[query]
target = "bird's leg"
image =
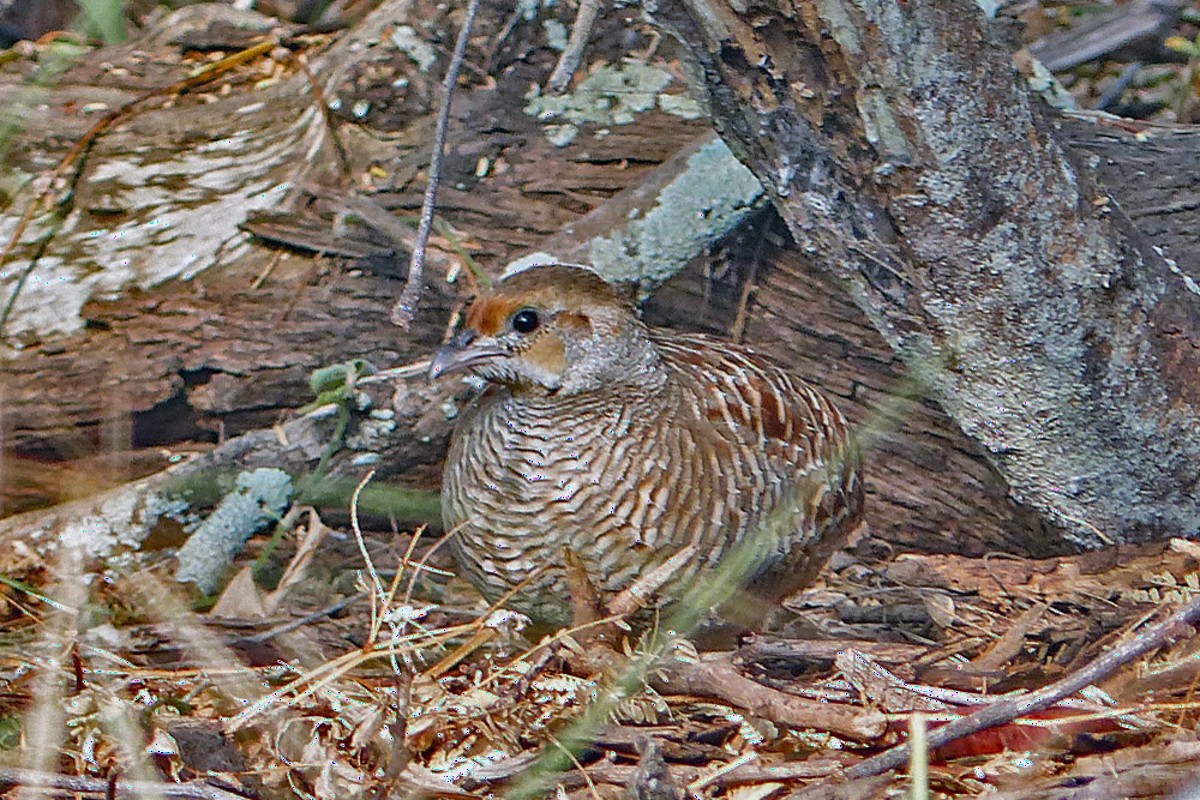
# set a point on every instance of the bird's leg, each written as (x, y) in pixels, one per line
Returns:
(585, 600)
(594, 651)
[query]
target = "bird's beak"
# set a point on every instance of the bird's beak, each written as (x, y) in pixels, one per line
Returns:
(460, 353)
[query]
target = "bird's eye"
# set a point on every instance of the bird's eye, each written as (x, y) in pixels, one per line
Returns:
(525, 321)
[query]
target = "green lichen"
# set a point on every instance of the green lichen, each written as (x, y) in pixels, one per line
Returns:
(556, 34)
(413, 45)
(612, 95)
(680, 105)
(711, 197)
(1043, 83)
(258, 500)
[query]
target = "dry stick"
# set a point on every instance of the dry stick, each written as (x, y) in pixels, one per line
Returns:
(370, 212)
(406, 306)
(294, 624)
(568, 62)
(198, 789)
(738, 329)
(1007, 710)
(719, 678)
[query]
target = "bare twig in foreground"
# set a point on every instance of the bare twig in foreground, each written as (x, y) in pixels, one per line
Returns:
(715, 675)
(406, 306)
(198, 789)
(1007, 710)
(568, 62)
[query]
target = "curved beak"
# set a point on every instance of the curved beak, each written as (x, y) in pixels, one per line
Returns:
(461, 353)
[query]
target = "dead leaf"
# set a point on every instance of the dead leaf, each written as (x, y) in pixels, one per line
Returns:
(241, 598)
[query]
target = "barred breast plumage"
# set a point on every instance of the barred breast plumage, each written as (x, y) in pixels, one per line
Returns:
(626, 444)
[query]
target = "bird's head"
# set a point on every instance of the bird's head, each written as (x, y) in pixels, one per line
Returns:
(552, 329)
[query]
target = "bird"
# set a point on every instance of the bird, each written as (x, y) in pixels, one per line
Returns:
(603, 442)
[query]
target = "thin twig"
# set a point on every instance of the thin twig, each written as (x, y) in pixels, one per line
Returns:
(322, 105)
(568, 62)
(697, 785)
(369, 211)
(266, 273)
(494, 47)
(1114, 92)
(406, 306)
(415, 369)
(738, 329)
(1005, 711)
(299, 622)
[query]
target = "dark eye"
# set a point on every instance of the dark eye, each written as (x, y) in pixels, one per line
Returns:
(525, 321)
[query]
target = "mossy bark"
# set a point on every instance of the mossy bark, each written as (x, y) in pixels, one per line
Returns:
(910, 163)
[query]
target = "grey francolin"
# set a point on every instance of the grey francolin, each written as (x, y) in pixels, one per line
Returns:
(625, 445)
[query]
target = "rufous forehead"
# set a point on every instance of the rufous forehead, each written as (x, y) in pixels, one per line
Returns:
(490, 315)
(561, 290)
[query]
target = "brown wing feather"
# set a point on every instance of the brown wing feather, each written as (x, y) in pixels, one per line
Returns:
(786, 445)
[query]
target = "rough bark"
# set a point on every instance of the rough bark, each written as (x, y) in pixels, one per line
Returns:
(910, 163)
(149, 304)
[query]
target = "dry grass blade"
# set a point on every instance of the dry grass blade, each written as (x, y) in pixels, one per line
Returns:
(323, 676)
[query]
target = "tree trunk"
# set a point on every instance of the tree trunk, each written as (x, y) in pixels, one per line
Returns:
(909, 162)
